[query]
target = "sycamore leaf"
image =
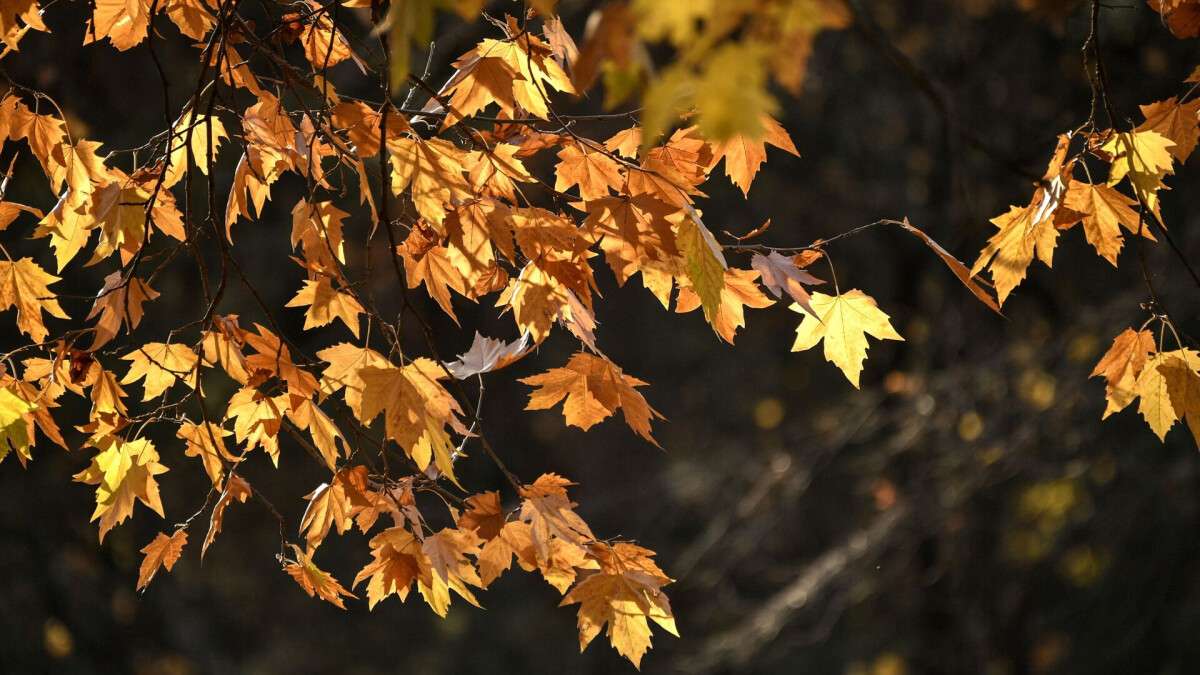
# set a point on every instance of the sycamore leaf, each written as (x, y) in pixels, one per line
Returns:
(704, 262)
(161, 365)
(205, 441)
(328, 507)
(1154, 396)
(624, 594)
(123, 472)
(236, 489)
(398, 562)
(592, 170)
(163, 553)
(551, 515)
(843, 322)
(781, 275)
(315, 581)
(16, 428)
(325, 303)
(417, 411)
(119, 303)
(123, 23)
(1105, 211)
(25, 285)
(1183, 388)
(1175, 121)
(594, 388)
(738, 291)
(1121, 365)
(960, 270)
(450, 569)
(1145, 158)
(488, 354)
(744, 154)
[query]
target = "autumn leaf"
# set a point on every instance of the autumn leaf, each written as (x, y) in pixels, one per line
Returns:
(624, 595)
(845, 321)
(744, 154)
(162, 553)
(1183, 389)
(206, 441)
(1145, 158)
(236, 489)
(325, 303)
(1175, 121)
(589, 168)
(487, 355)
(25, 285)
(1154, 393)
(705, 264)
(1105, 211)
(738, 291)
(160, 365)
(315, 581)
(960, 270)
(16, 428)
(1121, 365)
(123, 473)
(119, 303)
(593, 389)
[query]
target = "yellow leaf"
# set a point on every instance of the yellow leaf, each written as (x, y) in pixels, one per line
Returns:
(738, 291)
(16, 426)
(235, 489)
(325, 303)
(704, 262)
(1121, 365)
(843, 322)
(163, 553)
(594, 388)
(161, 365)
(315, 581)
(744, 154)
(123, 472)
(25, 285)
(1145, 158)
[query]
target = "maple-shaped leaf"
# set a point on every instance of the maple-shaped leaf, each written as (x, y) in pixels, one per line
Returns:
(257, 419)
(324, 45)
(346, 362)
(781, 275)
(123, 473)
(843, 322)
(1175, 121)
(162, 553)
(196, 138)
(315, 581)
(488, 354)
(1154, 391)
(10, 210)
(332, 505)
(236, 489)
(537, 300)
(16, 426)
(550, 514)
(193, 18)
(161, 365)
(206, 441)
(478, 81)
(1104, 212)
(594, 388)
(589, 168)
(25, 285)
(705, 263)
(434, 268)
(124, 23)
(325, 303)
(119, 303)
(960, 270)
(1026, 231)
(450, 568)
(398, 562)
(417, 411)
(483, 515)
(1121, 365)
(432, 171)
(325, 434)
(744, 155)
(1145, 158)
(625, 594)
(738, 291)
(1183, 388)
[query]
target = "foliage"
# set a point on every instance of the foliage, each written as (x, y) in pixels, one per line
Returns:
(515, 208)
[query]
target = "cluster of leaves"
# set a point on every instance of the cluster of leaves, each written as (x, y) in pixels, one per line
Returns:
(1139, 365)
(509, 209)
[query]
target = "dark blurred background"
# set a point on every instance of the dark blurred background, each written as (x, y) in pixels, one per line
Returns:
(965, 512)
